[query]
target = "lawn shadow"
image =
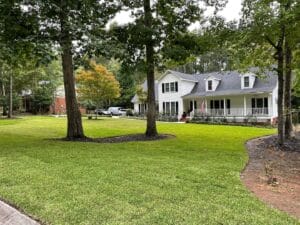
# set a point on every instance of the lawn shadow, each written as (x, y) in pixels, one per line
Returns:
(120, 139)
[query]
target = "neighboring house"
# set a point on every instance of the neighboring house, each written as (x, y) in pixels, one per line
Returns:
(229, 95)
(58, 106)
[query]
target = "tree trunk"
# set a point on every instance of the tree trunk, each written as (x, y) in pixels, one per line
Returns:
(74, 129)
(280, 62)
(10, 103)
(151, 113)
(4, 97)
(288, 92)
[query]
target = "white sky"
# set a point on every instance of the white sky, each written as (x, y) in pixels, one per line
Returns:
(231, 12)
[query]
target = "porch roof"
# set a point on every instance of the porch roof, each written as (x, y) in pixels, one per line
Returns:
(224, 93)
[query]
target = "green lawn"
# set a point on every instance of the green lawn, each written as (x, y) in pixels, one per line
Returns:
(192, 179)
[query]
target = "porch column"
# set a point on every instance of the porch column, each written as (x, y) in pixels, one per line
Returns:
(245, 106)
(224, 106)
(270, 105)
(194, 107)
(205, 105)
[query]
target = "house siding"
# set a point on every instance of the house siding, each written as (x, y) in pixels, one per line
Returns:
(184, 87)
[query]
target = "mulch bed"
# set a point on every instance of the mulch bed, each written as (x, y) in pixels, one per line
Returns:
(123, 138)
(273, 173)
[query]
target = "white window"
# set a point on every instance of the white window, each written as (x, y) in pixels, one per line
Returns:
(170, 108)
(167, 86)
(246, 82)
(172, 86)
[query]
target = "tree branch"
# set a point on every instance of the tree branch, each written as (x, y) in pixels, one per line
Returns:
(271, 42)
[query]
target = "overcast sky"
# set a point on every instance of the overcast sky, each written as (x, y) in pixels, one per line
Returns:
(231, 12)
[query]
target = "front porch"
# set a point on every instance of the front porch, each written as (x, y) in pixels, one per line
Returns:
(232, 112)
(239, 108)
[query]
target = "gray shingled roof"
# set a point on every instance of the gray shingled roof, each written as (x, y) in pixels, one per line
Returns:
(230, 84)
(145, 88)
(184, 76)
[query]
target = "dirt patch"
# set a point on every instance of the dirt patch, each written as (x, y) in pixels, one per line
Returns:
(123, 138)
(273, 173)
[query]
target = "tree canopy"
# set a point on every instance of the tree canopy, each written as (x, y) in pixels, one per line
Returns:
(97, 84)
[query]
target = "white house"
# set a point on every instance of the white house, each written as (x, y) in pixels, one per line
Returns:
(229, 95)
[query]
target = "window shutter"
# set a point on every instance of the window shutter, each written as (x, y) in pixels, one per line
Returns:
(266, 105)
(176, 86)
(163, 87)
(228, 104)
(211, 104)
(176, 107)
(253, 102)
(164, 107)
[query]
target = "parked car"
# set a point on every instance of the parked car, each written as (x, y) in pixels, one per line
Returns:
(127, 112)
(99, 111)
(113, 111)
(123, 112)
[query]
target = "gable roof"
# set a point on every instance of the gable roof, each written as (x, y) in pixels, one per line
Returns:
(145, 89)
(230, 84)
(181, 76)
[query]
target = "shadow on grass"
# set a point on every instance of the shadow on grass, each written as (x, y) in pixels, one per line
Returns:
(120, 139)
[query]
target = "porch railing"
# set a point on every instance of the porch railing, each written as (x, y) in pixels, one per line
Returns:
(232, 112)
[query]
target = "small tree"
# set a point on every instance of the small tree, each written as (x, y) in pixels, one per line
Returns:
(142, 95)
(97, 84)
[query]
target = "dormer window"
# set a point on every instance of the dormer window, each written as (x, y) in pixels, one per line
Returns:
(246, 82)
(209, 85)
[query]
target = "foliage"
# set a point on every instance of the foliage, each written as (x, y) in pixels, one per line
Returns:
(260, 28)
(42, 98)
(126, 77)
(4, 102)
(89, 104)
(127, 84)
(142, 95)
(97, 84)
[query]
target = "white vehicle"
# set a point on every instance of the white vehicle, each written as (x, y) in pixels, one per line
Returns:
(114, 111)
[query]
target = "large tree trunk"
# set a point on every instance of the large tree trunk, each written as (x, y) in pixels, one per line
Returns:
(280, 62)
(75, 129)
(10, 101)
(288, 92)
(151, 113)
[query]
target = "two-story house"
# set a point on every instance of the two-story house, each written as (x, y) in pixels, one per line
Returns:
(218, 94)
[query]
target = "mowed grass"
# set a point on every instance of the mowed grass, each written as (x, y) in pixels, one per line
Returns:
(191, 179)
